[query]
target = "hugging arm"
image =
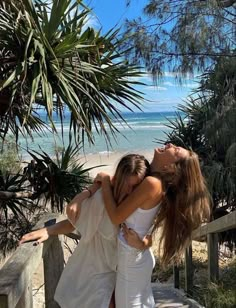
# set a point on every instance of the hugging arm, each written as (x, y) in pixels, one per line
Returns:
(133, 239)
(149, 191)
(73, 208)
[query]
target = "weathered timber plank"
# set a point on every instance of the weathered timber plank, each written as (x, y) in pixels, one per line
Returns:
(26, 300)
(53, 267)
(224, 223)
(16, 274)
(166, 296)
(213, 258)
(188, 270)
(176, 276)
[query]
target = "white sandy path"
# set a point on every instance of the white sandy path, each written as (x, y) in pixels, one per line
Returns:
(108, 160)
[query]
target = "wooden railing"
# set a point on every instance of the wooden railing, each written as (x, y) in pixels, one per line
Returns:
(209, 231)
(16, 274)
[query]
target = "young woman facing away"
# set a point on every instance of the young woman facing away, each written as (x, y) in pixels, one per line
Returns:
(173, 196)
(88, 279)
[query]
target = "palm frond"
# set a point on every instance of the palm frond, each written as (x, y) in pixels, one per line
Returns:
(50, 59)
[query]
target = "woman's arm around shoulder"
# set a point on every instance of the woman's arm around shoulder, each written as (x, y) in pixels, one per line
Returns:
(148, 193)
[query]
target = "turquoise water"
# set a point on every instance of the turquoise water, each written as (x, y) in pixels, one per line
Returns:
(144, 129)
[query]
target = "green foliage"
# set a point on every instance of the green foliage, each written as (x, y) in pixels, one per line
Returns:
(15, 212)
(50, 60)
(221, 294)
(14, 206)
(218, 297)
(208, 126)
(57, 180)
(9, 157)
(26, 193)
(182, 36)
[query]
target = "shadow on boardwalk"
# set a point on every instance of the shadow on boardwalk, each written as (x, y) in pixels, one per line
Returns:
(166, 296)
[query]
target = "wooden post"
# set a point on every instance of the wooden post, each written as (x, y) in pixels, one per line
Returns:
(213, 258)
(176, 276)
(53, 266)
(16, 273)
(188, 270)
(26, 300)
(3, 301)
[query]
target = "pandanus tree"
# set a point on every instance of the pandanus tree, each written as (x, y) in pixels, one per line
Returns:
(51, 60)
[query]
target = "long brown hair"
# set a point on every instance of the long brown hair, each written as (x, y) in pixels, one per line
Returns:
(131, 164)
(185, 205)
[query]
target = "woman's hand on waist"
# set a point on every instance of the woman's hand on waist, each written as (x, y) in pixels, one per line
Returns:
(132, 238)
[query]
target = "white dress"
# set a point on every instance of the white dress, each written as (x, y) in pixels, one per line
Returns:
(88, 279)
(133, 282)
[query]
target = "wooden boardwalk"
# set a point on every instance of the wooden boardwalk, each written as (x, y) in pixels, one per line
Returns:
(168, 297)
(16, 275)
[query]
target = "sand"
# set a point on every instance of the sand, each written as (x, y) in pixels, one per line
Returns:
(107, 162)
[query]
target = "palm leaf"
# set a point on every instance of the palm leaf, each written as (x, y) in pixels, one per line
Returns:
(60, 65)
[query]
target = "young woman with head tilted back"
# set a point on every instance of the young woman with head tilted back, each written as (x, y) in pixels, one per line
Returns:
(175, 197)
(88, 279)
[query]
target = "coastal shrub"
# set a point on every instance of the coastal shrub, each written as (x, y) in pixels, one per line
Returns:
(218, 295)
(57, 179)
(10, 160)
(45, 183)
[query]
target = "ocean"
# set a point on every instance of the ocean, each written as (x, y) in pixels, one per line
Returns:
(144, 130)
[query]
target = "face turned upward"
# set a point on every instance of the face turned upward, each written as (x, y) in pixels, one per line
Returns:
(168, 155)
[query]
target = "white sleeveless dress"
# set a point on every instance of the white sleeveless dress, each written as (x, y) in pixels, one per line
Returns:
(133, 281)
(88, 279)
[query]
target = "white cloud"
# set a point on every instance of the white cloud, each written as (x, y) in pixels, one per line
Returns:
(155, 88)
(190, 85)
(145, 78)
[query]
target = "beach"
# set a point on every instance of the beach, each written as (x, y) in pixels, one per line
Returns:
(108, 161)
(139, 133)
(140, 136)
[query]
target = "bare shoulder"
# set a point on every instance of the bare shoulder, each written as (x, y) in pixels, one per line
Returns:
(153, 181)
(152, 185)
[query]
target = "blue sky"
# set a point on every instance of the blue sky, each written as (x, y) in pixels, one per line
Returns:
(167, 94)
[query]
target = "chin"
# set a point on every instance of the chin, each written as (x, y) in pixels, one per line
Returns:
(156, 154)
(157, 151)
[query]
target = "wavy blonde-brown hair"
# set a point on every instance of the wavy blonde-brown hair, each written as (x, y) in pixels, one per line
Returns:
(129, 165)
(185, 205)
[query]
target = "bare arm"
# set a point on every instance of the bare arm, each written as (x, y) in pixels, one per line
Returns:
(73, 208)
(133, 239)
(147, 195)
(41, 235)
(65, 226)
